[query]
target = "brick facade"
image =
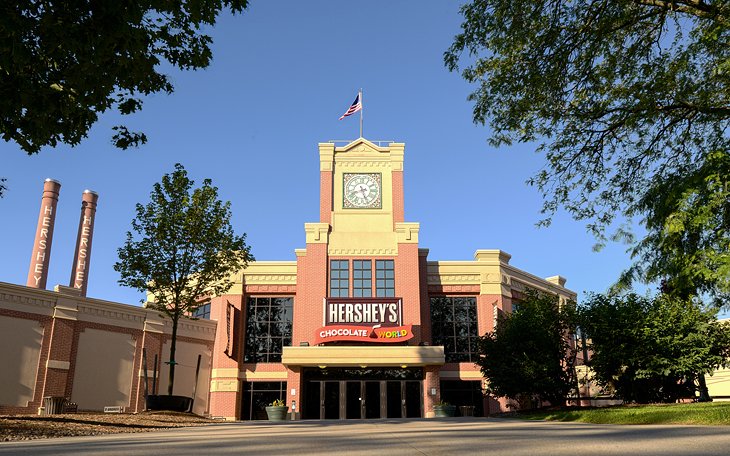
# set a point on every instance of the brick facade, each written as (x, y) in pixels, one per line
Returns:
(370, 232)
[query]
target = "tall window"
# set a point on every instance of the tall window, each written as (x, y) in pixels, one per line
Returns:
(362, 278)
(384, 278)
(454, 325)
(268, 328)
(339, 278)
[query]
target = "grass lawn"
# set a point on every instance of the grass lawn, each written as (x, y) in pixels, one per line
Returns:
(712, 413)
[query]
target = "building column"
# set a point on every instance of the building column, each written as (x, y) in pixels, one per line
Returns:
(151, 342)
(225, 386)
(60, 351)
(431, 383)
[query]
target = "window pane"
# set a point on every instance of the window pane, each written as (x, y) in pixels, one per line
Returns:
(454, 325)
(268, 328)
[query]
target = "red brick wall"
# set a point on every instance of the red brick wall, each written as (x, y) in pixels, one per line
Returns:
(408, 287)
(325, 196)
(398, 205)
(312, 273)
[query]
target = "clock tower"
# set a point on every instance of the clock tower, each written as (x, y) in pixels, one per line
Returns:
(361, 218)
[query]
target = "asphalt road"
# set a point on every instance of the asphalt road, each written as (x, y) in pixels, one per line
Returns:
(470, 436)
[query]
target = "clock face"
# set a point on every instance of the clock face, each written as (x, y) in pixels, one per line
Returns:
(361, 191)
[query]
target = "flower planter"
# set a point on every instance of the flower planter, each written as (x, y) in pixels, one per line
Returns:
(277, 412)
(442, 411)
(167, 402)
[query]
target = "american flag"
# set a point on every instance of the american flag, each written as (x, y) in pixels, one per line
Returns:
(356, 106)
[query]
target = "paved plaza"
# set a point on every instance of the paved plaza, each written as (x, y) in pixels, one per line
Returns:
(395, 437)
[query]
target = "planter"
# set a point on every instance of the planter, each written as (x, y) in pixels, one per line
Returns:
(277, 412)
(167, 402)
(441, 411)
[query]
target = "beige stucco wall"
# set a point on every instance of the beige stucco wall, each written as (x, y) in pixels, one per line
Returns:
(718, 384)
(104, 366)
(20, 340)
(186, 355)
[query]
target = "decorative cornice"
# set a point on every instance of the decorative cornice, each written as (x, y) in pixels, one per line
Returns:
(257, 279)
(407, 232)
(317, 233)
(65, 313)
(384, 252)
(453, 279)
(24, 299)
(370, 163)
(126, 317)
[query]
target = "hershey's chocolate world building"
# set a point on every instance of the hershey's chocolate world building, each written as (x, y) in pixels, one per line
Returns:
(363, 325)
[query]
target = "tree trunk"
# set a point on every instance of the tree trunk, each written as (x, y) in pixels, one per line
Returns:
(173, 343)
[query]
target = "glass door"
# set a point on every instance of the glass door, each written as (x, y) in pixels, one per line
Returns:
(330, 401)
(353, 400)
(373, 400)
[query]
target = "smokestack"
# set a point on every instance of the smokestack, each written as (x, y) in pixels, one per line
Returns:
(82, 255)
(38, 272)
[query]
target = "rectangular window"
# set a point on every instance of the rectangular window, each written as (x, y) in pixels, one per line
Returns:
(454, 325)
(362, 278)
(384, 278)
(268, 328)
(202, 312)
(339, 278)
(257, 396)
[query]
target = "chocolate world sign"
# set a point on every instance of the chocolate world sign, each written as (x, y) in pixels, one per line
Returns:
(363, 320)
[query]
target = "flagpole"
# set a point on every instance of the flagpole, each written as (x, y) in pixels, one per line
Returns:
(362, 107)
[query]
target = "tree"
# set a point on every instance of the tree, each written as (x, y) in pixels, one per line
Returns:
(652, 349)
(625, 95)
(183, 250)
(688, 241)
(62, 62)
(529, 354)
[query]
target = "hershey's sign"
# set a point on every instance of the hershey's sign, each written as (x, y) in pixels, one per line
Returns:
(363, 311)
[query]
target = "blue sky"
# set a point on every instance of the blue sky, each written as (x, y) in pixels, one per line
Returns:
(282, 74)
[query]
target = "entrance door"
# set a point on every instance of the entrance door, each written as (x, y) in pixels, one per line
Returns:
(362, 394)
(412, 399)
(331, 401)
(394, 399)
(353, 400)
(373, 400)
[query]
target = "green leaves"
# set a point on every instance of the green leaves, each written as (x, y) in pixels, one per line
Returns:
(529, 353)
(652, 350)
(628, 98)
(62, 62)
(183, 247)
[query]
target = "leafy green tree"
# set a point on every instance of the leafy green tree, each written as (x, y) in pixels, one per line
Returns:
(688, 241)
(530, 354)
(652, 349)
(183, 249)
(62, 62)
(630, 100)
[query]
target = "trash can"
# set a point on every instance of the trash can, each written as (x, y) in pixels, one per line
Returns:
(53, 405)
(466, 410)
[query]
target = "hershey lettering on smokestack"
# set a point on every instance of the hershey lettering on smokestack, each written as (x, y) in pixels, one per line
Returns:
(82, 255)
(38, 272)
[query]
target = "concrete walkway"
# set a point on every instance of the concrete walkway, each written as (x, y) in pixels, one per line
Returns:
(469, 436)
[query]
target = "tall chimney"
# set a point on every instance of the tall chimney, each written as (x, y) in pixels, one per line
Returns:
(38, 272)
(82, 255)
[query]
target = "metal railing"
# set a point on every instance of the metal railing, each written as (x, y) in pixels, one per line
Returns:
(379, 143)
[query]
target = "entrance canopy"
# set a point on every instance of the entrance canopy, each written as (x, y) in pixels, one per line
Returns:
(361, 356)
